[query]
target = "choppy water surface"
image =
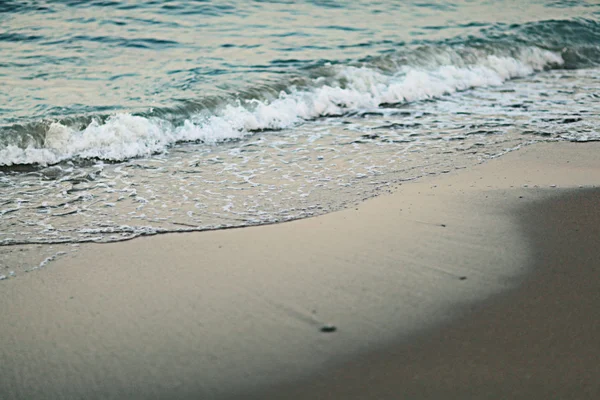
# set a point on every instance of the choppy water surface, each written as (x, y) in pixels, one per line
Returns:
(124, 118)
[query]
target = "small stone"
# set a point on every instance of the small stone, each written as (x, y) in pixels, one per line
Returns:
(328, 328)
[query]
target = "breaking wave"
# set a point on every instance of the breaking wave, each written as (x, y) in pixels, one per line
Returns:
(340, 90)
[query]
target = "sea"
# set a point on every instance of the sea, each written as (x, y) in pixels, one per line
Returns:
(128, 118)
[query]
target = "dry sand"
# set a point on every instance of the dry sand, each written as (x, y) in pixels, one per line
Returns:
(465, 285)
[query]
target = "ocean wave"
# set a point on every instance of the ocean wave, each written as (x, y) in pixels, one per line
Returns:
(343, 90)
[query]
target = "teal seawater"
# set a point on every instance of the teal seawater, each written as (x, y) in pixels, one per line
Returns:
(71, 61)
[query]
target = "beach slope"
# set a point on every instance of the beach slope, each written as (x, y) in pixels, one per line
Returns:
(479, 283)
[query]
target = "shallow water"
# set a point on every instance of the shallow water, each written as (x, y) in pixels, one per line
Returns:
(120, 119)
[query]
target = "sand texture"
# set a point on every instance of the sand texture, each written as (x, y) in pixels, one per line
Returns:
(480, 283)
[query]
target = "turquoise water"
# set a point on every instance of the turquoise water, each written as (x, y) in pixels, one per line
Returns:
(128, 118)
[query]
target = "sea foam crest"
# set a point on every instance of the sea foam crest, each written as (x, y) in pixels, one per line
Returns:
(125, 136)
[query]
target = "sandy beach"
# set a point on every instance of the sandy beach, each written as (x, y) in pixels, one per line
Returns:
(478, 283)
(539, 341)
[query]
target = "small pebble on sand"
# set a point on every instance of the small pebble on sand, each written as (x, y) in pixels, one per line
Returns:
(328, 328)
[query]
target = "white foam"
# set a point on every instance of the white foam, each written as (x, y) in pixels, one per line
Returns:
(125, 136)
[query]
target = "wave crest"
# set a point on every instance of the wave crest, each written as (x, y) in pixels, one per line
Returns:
(347, 89)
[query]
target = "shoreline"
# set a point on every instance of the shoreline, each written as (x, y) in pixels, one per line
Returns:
(213, 314)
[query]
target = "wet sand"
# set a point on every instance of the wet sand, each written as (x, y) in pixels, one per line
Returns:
(480, 283)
